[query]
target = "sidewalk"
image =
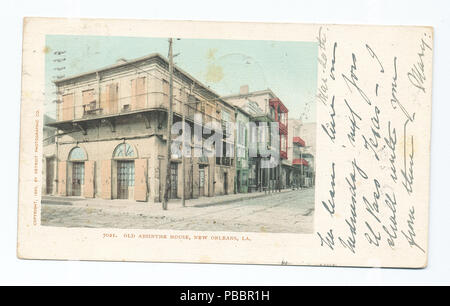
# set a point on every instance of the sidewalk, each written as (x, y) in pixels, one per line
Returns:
(173, 203)
(225, 199)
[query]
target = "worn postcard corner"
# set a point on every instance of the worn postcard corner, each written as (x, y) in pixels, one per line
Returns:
(222, 142)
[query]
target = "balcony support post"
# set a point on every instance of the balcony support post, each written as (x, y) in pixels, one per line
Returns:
(111, 122)
(81, 126)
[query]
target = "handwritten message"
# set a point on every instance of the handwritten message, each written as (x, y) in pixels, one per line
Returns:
(370, 95)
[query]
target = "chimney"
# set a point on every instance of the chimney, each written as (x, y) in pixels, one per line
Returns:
(243, 90)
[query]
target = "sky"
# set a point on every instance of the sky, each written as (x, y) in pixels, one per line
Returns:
(289, 69)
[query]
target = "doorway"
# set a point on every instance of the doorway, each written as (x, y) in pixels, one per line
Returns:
(77, 178)
(125, 178)
(238, 181)
(201, 185)
(225, 183)
(173, 180)
(49, 175)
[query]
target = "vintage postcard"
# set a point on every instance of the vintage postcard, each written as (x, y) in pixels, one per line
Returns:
(216, 142)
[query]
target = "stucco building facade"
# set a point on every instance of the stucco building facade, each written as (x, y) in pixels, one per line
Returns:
(266, 107)
(242, 153)
(302, 151)
(112, 133)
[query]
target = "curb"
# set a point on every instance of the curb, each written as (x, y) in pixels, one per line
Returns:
(207, 204)
(56, 202)
(237, 199)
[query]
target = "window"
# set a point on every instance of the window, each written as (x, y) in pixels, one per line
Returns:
(184, 96)
(209, 109)
(88, 96)
(77, 154)
(165, 88)
(89, 102)
(253, 134)
(283, 142)
(241, 133)
(241, 152)
(244, 177)
(173, 180)
(282, 118)
(124, 150)
(138, 93)
(252, 174)
(179, 146)
(203, 159)
(263, 131)
(272, 113)
(225, 116)
(201, 172)
(227, 154)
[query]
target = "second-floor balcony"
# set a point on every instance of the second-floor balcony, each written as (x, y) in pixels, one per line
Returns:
(283, 128)
(298, 141)
(138, 86)
(225, 161)
(69, 114)
(280, 112)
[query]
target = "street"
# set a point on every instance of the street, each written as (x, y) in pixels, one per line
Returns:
(286, 212)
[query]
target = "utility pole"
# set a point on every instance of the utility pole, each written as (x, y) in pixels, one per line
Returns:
(301, 155)
(236, 134)
(183, 161)
(169, 128)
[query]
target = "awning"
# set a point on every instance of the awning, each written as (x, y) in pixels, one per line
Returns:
(300, 161)
(297, 140)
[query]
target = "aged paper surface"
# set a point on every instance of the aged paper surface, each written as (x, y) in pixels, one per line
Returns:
(342, 180)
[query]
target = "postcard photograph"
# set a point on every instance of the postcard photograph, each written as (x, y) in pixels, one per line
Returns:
(179, 134)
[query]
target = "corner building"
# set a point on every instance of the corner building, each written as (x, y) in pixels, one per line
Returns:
(112, 132)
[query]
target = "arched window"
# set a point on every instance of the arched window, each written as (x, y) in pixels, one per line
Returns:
(124, 150)
(77, 154)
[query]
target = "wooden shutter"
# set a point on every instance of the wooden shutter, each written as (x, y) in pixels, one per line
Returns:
(62, 178)
(104, 103)
(206, 181)
(140, 181)
(113, 95)
(138, 93)
(89, 171)
(67, 107)
(109, 99)
(141, 93)
(105, 169)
